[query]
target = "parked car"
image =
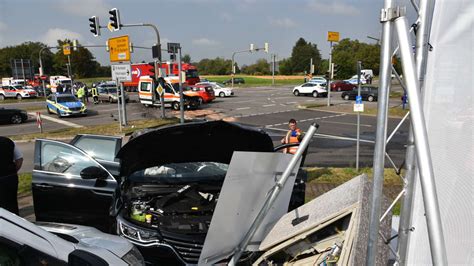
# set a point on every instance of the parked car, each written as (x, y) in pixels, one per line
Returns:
(24, 243)
(16, 91)
(320, 80)
(166, 198)
(219, 89)
(368, 93)
(310, 88)
(65, 105)
(354, 80)
(109, 94)
(205, 92)
(14, 116)
(236, 81)
(341, 85)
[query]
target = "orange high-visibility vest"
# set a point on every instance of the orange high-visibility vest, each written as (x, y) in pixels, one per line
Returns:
(291, 139)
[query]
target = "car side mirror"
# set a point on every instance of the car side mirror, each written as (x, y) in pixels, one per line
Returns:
(94, 172)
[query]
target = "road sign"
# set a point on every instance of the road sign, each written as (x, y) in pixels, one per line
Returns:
(160, 89)
(358, 107)
(333, 36)
(173, 47)
(66, 49)
(121, 72)
(358, 99)
(119, 49)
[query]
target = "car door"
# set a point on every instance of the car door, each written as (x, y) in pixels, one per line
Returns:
(102, 148)
(60, 194)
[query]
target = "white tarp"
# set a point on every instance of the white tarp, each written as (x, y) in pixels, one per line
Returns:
(249, 178)
(448, 110)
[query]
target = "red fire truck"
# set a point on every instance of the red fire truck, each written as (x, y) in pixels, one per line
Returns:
(139, 70)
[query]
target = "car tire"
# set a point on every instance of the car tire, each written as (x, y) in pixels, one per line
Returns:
(370, 98)
(2, 97)
(16, 119)
(296, 93)
(176, 106)
(222, 95)
(346, 97)
(111, 100)
(315, 94)
(18, 97)
(49, 111)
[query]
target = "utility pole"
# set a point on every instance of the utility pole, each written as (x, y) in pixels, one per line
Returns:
(273, 69)
(252, 48)
(329, 81)
(359, 67)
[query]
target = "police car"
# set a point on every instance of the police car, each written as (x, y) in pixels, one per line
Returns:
(65, 105)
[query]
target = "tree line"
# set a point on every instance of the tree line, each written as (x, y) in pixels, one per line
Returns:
(345, 55)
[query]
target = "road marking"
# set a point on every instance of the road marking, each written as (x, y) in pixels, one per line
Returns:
(309, 100)
(270, 113)
(352, 124)
(326, 136)
(242, 108)
(268, 105)
(247, 101)
(305, 120)
(291, 102)
(59, 121)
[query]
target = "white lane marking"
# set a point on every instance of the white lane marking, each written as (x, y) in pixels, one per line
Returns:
(59, 121)
(242, 108)
(326, 136)
(246, 101)
(268, 105)
(250, 115)
(351, 124)
(291, 102)
(305, 120)
(282, 104)
(309, 100)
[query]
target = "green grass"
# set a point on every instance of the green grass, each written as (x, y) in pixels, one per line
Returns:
(24, 184)
(251, 81)
(10, 101)
(107, 129)
(89, 81)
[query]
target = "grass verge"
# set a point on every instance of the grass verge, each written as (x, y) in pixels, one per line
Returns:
(254, 81)
(107, 129)
(10, 101)
(24, 184)
(89, 81)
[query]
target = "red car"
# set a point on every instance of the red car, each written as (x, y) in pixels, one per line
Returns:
(340, 85)
(206, 93)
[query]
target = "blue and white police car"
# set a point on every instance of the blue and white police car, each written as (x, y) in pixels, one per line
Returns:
(65, 105)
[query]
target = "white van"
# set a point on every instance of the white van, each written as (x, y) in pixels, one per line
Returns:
(366, 72)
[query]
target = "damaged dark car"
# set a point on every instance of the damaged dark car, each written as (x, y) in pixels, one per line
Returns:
(162, 186)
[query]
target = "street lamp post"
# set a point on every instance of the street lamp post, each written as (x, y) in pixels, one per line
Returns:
(244, 51)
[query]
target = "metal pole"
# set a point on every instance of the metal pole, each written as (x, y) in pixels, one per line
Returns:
(124, 109)
(273, 69)
(422, 37)
(329, 81)
(273, 195)
(41, 69)
(162, 101)
(181, 99)
(233, 70)
(119, 110)
(423, 156)
(23, 71)
(359, 67)
(381, 135)
(311, 67)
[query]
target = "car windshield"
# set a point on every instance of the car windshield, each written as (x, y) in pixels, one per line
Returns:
(192, 73)
(220, 85)
(67, 99)
(112, 90)
(181, 172)
(18, 87)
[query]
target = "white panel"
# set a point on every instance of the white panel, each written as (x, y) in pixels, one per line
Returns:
(448, 110)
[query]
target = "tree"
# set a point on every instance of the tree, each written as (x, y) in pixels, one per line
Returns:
(284, 66)
(83, 63)
(261, 67)
(29, 51)
(347, 52)
(186, 58)
(302, 53)
(217, 66)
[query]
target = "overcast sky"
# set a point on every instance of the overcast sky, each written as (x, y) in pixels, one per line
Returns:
(205, 28)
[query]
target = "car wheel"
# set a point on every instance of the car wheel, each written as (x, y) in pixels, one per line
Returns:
(176, 106)
(49, 111)
(2, 97)
(222, 94)
(370, 98)
(16, 119)
(296, 93)
(346, 97)
(315, 94)
(18, 97)
(111, 100)
(339, 89)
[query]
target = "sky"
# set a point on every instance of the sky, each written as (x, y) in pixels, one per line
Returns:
(204, 28)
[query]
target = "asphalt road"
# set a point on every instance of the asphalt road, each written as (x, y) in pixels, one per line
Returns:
(265, 107)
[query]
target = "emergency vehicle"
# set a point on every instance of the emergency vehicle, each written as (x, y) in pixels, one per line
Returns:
(65, 105)
(54, 81)
(16, 91)
(13, 82)
(148, 95)
(170, 70)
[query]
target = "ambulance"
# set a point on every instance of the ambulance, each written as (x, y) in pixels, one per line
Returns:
(148, 93)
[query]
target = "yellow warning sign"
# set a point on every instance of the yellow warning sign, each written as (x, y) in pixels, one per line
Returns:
(333, 36)
(160, 89)
(66, 49)
(119, 49)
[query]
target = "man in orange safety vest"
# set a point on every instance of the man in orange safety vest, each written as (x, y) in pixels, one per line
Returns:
(292, 136)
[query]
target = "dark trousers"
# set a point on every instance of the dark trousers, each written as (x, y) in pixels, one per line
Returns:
(8, 193)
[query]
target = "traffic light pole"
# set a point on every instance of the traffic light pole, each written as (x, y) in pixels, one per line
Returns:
(181, 97)
(329, 80)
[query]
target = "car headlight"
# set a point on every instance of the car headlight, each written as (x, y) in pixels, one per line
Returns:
(134, 257)
(136, 233)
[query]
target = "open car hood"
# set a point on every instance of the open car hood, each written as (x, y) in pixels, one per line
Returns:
(213, 141)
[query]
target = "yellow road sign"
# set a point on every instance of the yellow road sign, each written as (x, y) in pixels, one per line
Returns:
(333, 36)
(119, 49)
(66, 49)
(160, 89)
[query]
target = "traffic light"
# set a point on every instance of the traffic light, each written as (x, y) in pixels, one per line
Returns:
(266, 47)
(95, 28)
(114, 19)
